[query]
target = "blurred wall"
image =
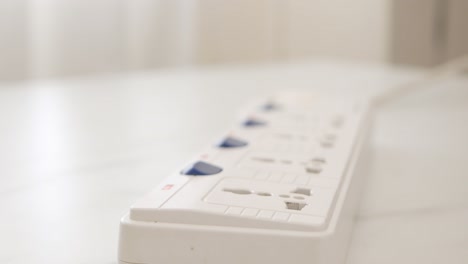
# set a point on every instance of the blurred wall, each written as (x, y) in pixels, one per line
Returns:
(160, 33)
(51, 38)
(14, 39)
(428, 32)
(339, 28)
(237, 31)
(76, 37)
(246, 30)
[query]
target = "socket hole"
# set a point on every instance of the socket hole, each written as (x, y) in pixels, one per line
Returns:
(284, 196)
(299, 197)
(303, 191)
(263, 194)
(330, 137)
(318, 160)
(262, 159)
(238, 191)
(313, 169)
(295, 206)
(284, 136)
(326, 144)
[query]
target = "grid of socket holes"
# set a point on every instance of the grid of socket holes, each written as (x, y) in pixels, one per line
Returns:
(313, 167)
(297, 194)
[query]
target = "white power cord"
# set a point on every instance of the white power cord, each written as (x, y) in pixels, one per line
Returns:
(440, 72)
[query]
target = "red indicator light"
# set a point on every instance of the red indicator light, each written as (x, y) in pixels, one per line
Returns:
(167, 187)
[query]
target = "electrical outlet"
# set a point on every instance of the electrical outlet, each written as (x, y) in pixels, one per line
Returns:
(280, 187)
(277, 197)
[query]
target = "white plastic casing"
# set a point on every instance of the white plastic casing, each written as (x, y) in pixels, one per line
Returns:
(288, 196)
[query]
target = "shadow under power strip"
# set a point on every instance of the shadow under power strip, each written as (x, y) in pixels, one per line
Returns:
(282, 186)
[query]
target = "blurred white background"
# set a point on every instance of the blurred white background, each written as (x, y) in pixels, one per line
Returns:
(51, 38)
(75, 153)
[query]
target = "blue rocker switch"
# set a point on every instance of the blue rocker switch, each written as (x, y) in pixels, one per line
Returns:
(201, 168)
(231, 142)
(270, 106)
(253, 122)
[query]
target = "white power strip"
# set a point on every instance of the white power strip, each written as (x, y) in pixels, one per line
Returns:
(280, 187)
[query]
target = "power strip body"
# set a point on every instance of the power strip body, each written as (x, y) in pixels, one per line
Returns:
(281, 187)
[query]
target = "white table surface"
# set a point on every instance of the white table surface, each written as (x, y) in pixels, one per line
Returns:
(75, 154)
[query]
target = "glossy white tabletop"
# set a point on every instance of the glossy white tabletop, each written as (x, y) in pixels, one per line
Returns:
(75, 154)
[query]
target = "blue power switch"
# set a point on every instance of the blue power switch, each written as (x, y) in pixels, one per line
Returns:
(201, 168)
(231, 142)
(270, 106)
(253, 123)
